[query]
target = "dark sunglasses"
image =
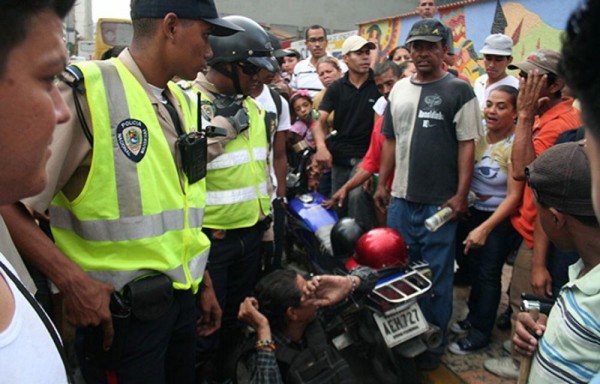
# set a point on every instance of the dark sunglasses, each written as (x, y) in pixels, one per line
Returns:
(248, 68)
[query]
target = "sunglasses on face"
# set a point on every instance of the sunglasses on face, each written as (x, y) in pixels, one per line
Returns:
(248, 68)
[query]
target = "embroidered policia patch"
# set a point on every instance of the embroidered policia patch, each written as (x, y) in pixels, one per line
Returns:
(132, 136)
(208, 110)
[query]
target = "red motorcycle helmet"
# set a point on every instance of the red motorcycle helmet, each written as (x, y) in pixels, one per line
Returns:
(381, 248)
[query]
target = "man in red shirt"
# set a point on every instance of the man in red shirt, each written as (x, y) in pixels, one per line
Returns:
(543, 115)
(386, 75)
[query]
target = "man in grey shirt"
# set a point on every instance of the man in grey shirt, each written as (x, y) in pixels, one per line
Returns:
(430, 127)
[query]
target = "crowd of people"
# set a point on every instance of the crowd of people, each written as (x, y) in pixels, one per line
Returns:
(150, 190)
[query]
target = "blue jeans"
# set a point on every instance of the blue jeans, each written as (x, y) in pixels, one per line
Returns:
(484, 265)
(359, 204)
(436, 248)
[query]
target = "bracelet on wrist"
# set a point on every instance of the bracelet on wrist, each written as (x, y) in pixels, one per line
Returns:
(353, 284)
(265, 345)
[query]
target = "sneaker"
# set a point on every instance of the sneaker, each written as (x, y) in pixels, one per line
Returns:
(461, 327)
(504, 367)
(507, 346)
(466, 345)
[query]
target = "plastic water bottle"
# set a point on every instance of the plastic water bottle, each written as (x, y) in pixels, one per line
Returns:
(441, 217)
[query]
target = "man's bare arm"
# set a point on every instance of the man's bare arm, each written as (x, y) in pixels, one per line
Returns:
(466, 155)
(323, 157)
(86, 300)
(528, 101)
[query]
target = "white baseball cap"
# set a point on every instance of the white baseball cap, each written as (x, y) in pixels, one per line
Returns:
(355, 43)
(497, 44)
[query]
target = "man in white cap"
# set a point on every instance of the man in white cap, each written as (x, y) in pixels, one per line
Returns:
(352, 98)
(497, 55)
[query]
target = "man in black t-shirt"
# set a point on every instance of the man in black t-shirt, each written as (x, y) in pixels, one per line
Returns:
(352, 98)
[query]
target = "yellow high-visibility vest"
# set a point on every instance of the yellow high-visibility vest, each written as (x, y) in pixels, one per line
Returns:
(135, 215)
(236, 181)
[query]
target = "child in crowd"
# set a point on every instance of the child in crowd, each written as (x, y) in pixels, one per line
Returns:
(304, 117)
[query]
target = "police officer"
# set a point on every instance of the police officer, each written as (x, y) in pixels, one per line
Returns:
(237, 198)
(126, 205)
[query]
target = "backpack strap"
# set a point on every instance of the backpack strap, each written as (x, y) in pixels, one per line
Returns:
(278, 103)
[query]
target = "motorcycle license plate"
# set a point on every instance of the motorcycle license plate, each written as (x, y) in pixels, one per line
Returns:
(400, 325)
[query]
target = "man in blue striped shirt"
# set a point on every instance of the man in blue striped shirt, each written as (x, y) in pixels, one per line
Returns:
(567, 351)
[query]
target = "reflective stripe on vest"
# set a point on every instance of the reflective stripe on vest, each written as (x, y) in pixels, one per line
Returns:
(236, 181)
(126, 228)
(132, 217)
(235, 196)
(120, 278)
(232, 159)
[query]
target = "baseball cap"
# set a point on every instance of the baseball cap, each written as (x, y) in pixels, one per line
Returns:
(544, 60)
(355, 43)
(560, 178)
(431, 30)
(204, 10)
(497, 44)
(292, 52)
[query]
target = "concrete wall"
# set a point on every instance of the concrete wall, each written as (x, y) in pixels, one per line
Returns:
(295, 15)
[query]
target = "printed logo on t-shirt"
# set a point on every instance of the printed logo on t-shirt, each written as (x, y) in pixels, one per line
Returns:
(431, 113)
(487, 168)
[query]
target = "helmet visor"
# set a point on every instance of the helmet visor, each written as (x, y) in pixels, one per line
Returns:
(267, 62)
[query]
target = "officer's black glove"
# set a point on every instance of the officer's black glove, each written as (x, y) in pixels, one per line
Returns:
(234, 111)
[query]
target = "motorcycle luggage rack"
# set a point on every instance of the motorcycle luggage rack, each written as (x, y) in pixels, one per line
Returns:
(401, 289)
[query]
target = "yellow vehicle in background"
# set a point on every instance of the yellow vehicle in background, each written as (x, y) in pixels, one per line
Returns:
(112, 32)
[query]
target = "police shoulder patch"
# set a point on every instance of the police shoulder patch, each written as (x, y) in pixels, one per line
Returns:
(132, 137)
(207, 109)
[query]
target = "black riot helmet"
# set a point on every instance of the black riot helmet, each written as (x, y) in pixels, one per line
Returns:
(344, 235)
(251, 45)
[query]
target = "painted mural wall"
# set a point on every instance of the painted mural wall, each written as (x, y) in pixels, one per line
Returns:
(532, 24)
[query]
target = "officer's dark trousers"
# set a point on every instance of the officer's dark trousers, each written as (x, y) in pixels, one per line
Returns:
(234, 263)
(156, 352)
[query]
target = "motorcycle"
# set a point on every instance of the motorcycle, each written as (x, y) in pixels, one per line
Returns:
(308, 222)
(387, 328)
